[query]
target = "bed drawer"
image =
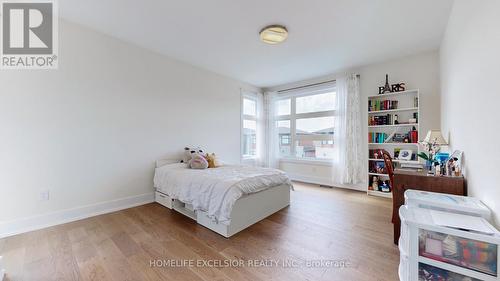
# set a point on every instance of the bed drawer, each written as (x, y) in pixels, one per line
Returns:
(163, 199)
(185, 209)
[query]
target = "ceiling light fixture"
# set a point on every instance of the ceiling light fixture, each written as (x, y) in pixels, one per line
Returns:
(273, 34)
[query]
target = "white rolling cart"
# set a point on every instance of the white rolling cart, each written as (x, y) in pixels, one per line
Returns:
(430, 251)
(447, 203)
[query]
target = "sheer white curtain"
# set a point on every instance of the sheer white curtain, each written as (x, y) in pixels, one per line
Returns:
(260, 158)
(261, 131)
(348, 167)
(271, 136)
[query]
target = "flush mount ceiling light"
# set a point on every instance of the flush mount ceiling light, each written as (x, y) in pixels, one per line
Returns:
(273, 34)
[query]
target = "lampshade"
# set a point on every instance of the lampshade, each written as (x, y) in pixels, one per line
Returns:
(435, 136)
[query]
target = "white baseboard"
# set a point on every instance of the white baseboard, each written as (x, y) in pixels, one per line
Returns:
(46, 220)
(324, 181)
(309, 179)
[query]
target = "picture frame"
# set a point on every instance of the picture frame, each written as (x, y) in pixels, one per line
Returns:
(405, 154)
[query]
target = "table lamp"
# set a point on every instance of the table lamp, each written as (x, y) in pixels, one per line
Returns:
(434, 137)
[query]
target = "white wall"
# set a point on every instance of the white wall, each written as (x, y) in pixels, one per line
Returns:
(470, 71)
(91, 130)
(418, 71)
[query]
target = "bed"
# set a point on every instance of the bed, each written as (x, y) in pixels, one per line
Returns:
(225, 199)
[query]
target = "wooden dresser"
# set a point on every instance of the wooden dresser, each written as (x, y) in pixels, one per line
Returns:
(404, 180)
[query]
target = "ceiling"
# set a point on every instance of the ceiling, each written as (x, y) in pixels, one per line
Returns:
(222, 35)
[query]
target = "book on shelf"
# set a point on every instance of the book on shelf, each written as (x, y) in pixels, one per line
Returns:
(387, 119)
(378, 105)
(375, 154)
(374, 137)
(413, 136)
(410, 137)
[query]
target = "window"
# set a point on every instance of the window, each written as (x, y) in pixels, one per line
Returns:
(313, 136)
(285, 140)
(284, 137)
(249, 107)
(305, 123)
(283, 107)
(315, 103)
(249, 126)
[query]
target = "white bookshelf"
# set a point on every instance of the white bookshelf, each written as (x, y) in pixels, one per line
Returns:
(394, 94)
(394, 143)
(392, 126)
(405, 110)
(380, 193)
(393, 110)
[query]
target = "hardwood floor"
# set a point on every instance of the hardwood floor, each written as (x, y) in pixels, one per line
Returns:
(321, 224)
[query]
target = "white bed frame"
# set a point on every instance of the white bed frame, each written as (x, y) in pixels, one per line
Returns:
(247, 210)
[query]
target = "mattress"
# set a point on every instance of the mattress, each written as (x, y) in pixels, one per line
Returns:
(215, 190)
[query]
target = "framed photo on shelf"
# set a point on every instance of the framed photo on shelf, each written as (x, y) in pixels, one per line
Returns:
(405, 154)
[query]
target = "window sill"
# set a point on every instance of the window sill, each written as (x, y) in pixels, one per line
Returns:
(305, 161)
(249, 158)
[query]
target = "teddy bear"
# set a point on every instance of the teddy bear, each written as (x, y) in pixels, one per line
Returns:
(198, 161)
(194, 158)
(186, 157)
(213, 162)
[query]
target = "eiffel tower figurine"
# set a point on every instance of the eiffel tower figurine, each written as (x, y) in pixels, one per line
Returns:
(387, 87)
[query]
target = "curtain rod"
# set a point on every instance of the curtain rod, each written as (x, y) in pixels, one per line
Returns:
(306, 86)
(310, 85)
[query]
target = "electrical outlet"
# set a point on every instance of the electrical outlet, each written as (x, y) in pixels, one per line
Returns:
(44, 195)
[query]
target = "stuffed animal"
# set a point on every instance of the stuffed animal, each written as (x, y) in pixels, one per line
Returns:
(194, 158)
(212, 160)
(198, 162)
(188, 153)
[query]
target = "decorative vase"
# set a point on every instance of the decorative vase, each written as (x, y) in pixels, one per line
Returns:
(429, 167)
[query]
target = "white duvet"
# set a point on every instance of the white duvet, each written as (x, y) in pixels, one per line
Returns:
(215, 190)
